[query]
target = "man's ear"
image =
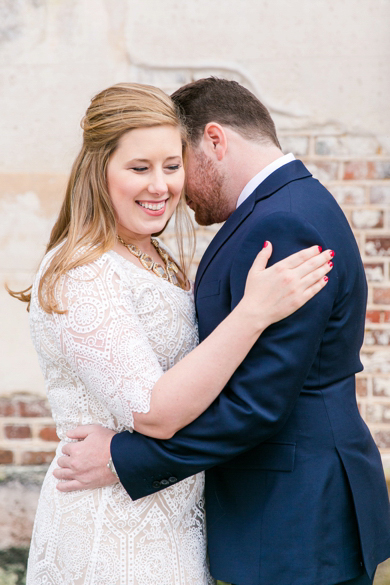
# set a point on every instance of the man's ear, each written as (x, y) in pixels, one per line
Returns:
(215, 140)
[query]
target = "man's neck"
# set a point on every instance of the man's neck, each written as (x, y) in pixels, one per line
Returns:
(246, 163)
(262, 176)
(243, 160)
(258, 161)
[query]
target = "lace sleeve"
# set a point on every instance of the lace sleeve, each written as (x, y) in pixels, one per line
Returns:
(103, 341)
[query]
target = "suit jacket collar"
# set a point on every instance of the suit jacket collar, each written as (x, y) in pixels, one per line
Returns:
(286, 174)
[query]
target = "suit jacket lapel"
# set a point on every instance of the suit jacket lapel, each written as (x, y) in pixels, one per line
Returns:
(290, 172)
(228, 228)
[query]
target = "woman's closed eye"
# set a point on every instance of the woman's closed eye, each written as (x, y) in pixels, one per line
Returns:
(139, 169)
(169, 168)
(173, 167)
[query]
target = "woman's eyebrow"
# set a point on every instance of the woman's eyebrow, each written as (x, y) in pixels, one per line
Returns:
(146, 160)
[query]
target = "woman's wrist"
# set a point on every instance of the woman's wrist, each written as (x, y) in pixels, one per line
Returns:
(253, 320)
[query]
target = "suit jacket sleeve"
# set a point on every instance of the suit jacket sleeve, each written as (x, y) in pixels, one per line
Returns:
(262, 392)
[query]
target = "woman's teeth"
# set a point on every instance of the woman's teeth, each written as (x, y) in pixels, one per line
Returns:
(152, 206)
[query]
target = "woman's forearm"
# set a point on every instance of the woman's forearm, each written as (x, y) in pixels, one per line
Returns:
(187, 389)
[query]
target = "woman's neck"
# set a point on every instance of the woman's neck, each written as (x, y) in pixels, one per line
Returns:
(143, 242)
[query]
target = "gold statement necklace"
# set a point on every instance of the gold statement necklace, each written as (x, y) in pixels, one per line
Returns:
(168, 272)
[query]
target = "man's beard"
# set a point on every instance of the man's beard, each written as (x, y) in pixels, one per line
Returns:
(206, 194)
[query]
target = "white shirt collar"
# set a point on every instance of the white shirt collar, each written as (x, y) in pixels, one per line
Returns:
(262, 175)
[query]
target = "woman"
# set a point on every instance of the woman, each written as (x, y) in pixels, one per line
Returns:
(113, 321)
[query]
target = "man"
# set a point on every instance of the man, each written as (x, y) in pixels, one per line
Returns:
(295, 489)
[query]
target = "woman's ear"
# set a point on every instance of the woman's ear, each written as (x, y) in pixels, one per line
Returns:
(215, 140)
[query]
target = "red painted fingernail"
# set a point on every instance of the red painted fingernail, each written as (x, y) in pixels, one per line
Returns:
(332, 253)
(330, 264)
(326, 278)
(265, 244)
(320, 249)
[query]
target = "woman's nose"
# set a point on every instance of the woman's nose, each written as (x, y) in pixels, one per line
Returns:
(158, 184)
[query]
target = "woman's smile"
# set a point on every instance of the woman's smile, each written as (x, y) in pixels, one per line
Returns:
(153, 207)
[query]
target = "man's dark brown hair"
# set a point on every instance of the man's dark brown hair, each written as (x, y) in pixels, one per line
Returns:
(228, 103)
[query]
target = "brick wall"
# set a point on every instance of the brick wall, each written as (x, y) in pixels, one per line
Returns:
(27, 431)
(356, 169)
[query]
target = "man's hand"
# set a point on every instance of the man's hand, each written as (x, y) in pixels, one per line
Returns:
(84, 464)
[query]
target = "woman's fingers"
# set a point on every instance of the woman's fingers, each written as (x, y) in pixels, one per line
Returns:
(263, 256)
(307, 287)
(304, 261)
(299, 258)
(315, 288)
(287, 285)
(300, 290)
(314, 263)
(316, 275)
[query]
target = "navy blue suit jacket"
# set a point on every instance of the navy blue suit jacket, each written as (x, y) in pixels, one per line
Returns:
(295, 490)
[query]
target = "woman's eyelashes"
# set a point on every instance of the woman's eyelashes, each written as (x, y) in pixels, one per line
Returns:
(169, 168)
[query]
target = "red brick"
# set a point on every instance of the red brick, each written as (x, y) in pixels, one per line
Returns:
(381, 386)
(386, 315)
(375, 362)
(6, 457)
(377, 246)
(34, 408)
(363, 219)
(298, 145)
(323, 171)
(17, 432)
(348, 194)
(378, 412)
(360, 169)
(37, 457)
(361, 386)
(24, 405)
(373, 316)
(374, 272)
(347, 146)
(381, 296)
(382, 439)
(48, 434)
(377, 337)
(7, 408)
(380, 194)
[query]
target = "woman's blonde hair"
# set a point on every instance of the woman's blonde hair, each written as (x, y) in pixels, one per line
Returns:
(87, 219)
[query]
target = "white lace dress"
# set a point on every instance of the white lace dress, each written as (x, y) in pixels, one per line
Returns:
(124, 327)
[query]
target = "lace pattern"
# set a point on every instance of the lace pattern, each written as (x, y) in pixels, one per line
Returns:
(123, 328)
